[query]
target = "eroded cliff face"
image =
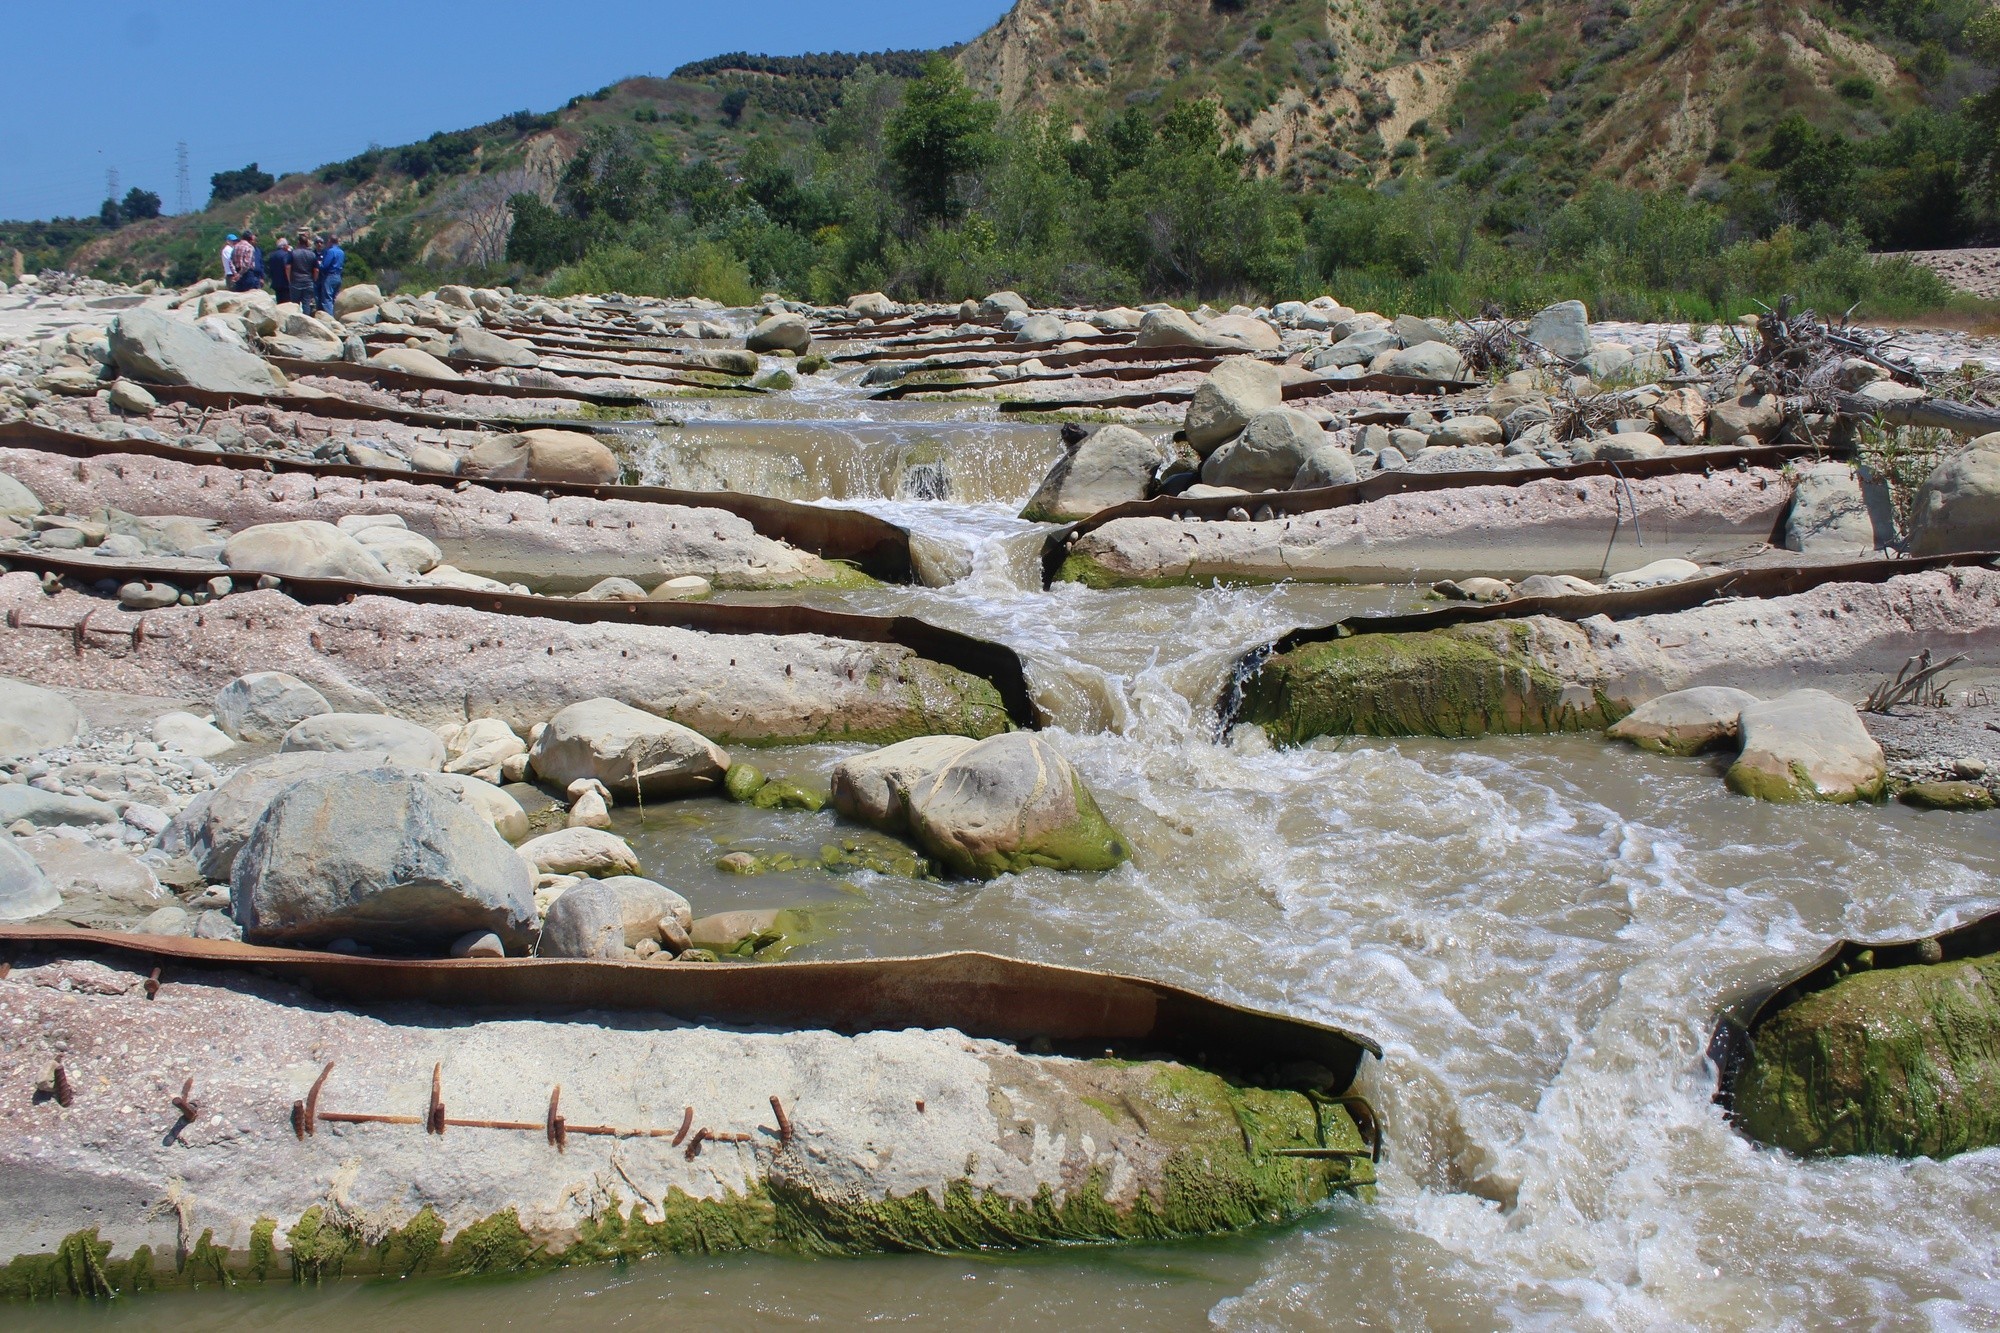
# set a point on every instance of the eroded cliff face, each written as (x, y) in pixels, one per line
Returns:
(1642, 93)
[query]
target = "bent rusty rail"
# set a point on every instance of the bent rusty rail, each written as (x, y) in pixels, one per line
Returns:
(1380, 486)
(995, 663)
(874, 545)
(982, 995)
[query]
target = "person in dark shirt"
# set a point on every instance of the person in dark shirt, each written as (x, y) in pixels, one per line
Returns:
(305, 272)
(332, 268)
(278, 267)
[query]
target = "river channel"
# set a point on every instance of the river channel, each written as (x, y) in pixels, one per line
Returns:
(1538, 931)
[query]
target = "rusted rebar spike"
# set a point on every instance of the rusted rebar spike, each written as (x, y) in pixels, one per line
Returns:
(558, 1131)
(312, 1098)
(784, 1121)
(494, 1124)
(153, 984)
(186, 1104)
(602, 1131)
(64, 1094)
(5, 968)
(694, 1144)
(687, 1121)
(434, 1118)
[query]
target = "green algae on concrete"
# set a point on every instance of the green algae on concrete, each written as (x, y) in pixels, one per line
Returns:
(1903, 1061)
(1226, 1168)
(1466, 681)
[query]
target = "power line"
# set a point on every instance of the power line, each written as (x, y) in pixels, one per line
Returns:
(183, 195)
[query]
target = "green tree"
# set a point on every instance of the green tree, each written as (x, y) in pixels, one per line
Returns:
(606, 178)
(226, 185)
(139, 205)
(1982, 113)
(941, 133)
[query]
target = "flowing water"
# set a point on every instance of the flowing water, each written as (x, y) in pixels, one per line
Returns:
(1537, 930)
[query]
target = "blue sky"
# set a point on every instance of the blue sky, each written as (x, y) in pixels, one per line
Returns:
(118, 83)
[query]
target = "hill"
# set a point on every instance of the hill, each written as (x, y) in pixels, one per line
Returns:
(1667, 157)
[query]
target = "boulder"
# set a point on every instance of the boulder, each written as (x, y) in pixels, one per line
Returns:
(32, 718)
(1834, 513)
(1686, 721)
(874, 788)
(1555, 585)
(1425, 361)
(1327, 464)
(1954, 794)
(382, 857)
(1268, 454)
(264, 705)
(413, 361)
(1657, 574)
(722, 360)
(1807, 746)
(1629, 445)
(1563, 330)
(16, 500)
(543, 455)
(353, 300)
(1413, 331)
(482, 743)
(581, 851)
(214, 826)
(629, 751)
(605, 918)
(1111, 465)
(155, 348)
(129, 397)
(495, 806)
(780, 333)
(1357, 349)
(25, 892)
(1958, 506)
(1040, 329)
(93, 879)
(1012, 803)
(1683, 413)
(1468, 432)
(872, 305)
(1247, 330)
(303, 549)
(400, 550)
(768, 932)
(187, 734)
(473, 343)
(1758, 415)
(399, 743)
(1236, 391)
(1000, 305)
(50, 809)
(1119, 319)
(1169, 327)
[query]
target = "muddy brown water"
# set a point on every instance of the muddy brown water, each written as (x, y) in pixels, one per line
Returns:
(1538, 931)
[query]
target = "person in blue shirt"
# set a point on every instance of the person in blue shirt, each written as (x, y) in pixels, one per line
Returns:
(332, 268)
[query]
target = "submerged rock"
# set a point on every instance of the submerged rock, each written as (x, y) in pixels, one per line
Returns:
(382, 857)
(874, 788)
(1902, 1061)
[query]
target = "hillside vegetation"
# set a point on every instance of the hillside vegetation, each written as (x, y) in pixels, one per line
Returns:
(1654, 159)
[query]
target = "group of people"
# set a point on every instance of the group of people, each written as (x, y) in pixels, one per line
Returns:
(308, 273)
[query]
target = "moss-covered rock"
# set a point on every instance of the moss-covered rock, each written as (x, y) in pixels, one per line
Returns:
(1008, 804)
(1469, 680)
(1903, 1061)
(1948, 796)
(784, 794)
(742, 781)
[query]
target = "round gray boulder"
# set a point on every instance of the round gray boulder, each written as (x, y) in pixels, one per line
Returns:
(1268, 454)
(874, 788)
(303, 549)
(606, 917)
(1958, 506)
(1235, 392)
(395, 741)
(629, 751)
(1111, 465)
(780, 333)
(32, 718)
(25, 892)
(1807, 746)
(215, 825)
(1012, 803)
(264, 705)
(1686, 721)
(383, 857)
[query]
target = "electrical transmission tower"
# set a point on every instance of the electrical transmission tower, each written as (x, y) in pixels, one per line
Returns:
(111, 182)
(183, 196)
